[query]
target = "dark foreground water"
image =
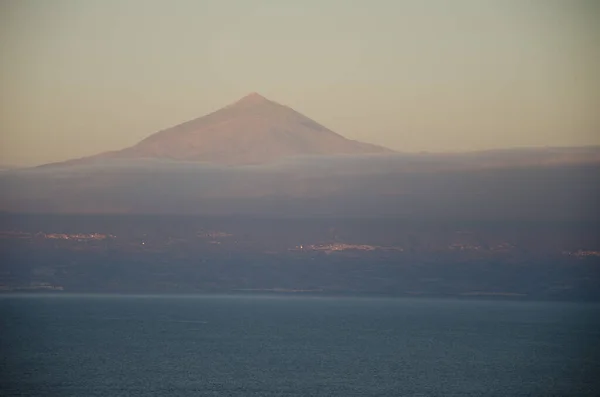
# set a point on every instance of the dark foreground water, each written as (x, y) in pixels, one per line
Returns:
(295, 346)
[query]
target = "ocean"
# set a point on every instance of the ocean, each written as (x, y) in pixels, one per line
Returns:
(294, 345)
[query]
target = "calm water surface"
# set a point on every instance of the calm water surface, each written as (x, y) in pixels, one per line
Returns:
(295, 346)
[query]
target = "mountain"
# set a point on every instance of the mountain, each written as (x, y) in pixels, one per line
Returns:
(198, 168)
(253, 130)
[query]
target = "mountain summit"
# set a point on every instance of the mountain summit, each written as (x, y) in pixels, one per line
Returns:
(253, 130)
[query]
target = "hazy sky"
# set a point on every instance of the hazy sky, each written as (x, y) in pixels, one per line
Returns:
(82, 76)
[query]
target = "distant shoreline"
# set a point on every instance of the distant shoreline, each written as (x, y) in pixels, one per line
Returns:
(269, 293)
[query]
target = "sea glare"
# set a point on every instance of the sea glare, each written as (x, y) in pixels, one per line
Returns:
(289, 345)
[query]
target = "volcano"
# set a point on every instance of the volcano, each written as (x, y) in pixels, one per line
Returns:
(253, 130)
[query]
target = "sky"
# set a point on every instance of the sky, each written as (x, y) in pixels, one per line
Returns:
(78, 77)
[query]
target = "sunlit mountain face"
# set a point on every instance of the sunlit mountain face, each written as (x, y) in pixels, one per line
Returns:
(253, 130)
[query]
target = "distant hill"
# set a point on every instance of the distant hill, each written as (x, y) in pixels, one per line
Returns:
(253, 130)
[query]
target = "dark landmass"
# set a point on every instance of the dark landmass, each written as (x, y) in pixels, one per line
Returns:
(354, 187)
(395, 257)
(403, 225)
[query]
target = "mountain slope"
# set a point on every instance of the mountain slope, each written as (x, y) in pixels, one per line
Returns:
(254, 130)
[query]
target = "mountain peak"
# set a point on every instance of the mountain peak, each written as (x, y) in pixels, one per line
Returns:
(252, 98)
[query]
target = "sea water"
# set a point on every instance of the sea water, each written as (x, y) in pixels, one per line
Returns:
(280, 345)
